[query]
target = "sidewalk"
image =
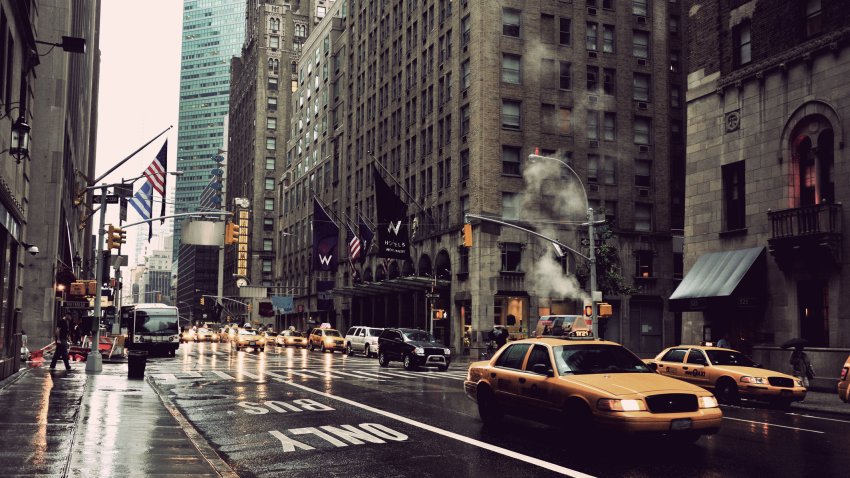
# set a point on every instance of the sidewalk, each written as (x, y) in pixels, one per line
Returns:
(58, 423)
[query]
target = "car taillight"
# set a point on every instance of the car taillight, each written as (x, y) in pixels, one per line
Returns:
(844, 373)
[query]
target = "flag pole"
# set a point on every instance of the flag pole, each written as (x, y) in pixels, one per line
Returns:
(119, 163)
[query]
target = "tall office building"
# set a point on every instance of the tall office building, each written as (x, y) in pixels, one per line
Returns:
(213, 31)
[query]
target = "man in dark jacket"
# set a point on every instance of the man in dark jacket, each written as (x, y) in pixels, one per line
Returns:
(60, 335)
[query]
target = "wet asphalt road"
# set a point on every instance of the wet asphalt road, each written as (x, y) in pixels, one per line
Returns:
(299, 413)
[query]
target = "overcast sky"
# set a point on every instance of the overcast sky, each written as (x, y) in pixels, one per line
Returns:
(139, 90)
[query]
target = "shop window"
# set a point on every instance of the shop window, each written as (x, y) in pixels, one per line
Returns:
(734, 203)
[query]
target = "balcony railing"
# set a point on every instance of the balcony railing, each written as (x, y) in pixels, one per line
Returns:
(804, 221)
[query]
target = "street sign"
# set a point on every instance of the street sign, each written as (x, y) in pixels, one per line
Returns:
(110, 199)
(75, 304)
(432, 296)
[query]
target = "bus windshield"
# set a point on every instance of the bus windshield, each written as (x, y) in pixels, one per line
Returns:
(156, 322)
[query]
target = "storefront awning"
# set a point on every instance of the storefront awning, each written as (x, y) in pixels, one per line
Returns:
(732, 278)
(391, 286)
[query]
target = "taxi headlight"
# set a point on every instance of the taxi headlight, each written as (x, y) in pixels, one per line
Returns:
(798, 383)
(707, 402)
(419, 351)
(749, 379)
(620, 405)
(447, 351)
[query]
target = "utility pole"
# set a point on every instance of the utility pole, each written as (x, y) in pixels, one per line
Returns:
(94, 362)
(592, 259)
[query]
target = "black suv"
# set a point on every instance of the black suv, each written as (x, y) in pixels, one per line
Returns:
(413, 347)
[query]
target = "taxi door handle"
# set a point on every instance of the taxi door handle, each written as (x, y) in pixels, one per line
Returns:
(521, 380)
(492, 375)
(684, 368)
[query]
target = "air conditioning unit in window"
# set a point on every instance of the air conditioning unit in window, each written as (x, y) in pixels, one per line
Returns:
(641, 20)
(642, 61)
(593, 144)
(642, 105)
(591, 11)
(643, 148)
(591, 54)
(643, 192)
(592, 98)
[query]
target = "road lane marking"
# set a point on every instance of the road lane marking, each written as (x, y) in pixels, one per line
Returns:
(819, 418)
(222, 375)
(773, 425)
(456, 436)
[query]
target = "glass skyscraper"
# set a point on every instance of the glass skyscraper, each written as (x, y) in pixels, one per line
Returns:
(213, 32)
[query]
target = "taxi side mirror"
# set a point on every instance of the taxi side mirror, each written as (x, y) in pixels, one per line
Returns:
(653, 366)
(542, 369)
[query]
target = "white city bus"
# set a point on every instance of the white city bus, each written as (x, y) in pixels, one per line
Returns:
(154, 327)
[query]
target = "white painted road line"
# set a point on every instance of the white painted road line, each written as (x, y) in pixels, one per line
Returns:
(772, 425)
(456, 436)
(222, 375)
(818, 418)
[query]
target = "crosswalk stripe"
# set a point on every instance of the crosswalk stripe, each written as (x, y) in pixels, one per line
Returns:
(222, 374)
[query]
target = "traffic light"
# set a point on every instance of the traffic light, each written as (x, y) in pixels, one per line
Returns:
(605, 310)
(231, 233)
(202, 300)
(466, 235)
(115, 236)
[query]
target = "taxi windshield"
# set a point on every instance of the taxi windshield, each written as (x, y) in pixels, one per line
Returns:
(595, 358)
(729, 357)
(332, 333)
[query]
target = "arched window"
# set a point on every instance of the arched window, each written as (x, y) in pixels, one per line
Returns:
(812, 161)
(274, 65)
(300, 30)
(274, 24)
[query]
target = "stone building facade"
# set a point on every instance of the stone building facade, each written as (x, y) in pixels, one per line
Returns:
(767, 177)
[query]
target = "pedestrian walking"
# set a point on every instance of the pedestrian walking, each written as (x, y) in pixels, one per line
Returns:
(60, 335)
(501, 338)
(802, 366)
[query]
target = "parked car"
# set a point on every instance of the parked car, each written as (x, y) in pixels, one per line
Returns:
(206, 335)
(844, 382)
(593, 385)
(245, 338)
(412, 347)
(362, 339)
(326, 339)
(728, 373)
(292, 338)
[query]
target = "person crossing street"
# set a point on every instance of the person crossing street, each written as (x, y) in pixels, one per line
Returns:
(60, 335)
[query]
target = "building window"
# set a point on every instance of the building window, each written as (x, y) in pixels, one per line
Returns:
(564, 114)
(268, 224)
(269, 164)
(592, 79)
(271, 144)
(640, 44)
(813, 18)
(609, 170)
(564, 31)
(464, 165)
(268, 245)
(608, 36)
(643, 217)
(271, 122)
(267, 266)
(464, 75)
(743, 45)
(511, 69)
(592, 125)
(640, 87)
(511, 257)
(593, 168)
(606, 208)
(510, 205)
(643, 264)
(511, 161)
(609, 81)
(733, 196)
(510, 22)
(675, 132)
(640, 7)
(565, 76)
(465, 28)
(675, 97)
(272, 84)
(274, 42)
(464, 208)
(643, 168)
(673, 25)
(511, 114)
(464, 120)
(463, 254)
(268, 205)
(674, 61)
(269, 184)
(609, 126)
(591, 42)
(642, 130)
(272, 104)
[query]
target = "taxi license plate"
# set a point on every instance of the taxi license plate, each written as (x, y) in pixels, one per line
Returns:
(250, 343)
(681, 424)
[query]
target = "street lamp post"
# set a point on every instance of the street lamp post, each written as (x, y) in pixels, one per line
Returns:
(592, 253)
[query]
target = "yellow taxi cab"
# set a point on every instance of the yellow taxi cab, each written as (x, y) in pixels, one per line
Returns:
(206, 335)
(271, 337)
(245, 338)
(188, 335)
(588, 383)
(292, 338)
(325, 338)
(728, 373)
(844, 382)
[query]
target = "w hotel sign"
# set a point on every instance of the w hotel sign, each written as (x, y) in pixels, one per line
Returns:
(242, 243)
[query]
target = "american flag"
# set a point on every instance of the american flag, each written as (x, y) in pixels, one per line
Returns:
(354, 246)
(155, 173)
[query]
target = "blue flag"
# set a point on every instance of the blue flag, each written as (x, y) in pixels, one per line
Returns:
(142, 202)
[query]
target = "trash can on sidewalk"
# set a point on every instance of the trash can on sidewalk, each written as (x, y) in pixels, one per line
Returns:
(136, 361)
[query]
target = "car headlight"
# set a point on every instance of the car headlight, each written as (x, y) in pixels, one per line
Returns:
(749, 379)
(447, 351)
(798, 383)
(419, 351)
(708, 402)
(620, 405)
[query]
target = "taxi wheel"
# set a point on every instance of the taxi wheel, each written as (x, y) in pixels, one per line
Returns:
(408, 363)
(323, 347)
(577, 416)
(487, 408)
(382, 360)
(727, 391)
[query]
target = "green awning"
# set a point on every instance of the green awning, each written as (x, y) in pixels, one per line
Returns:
(731, 278)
